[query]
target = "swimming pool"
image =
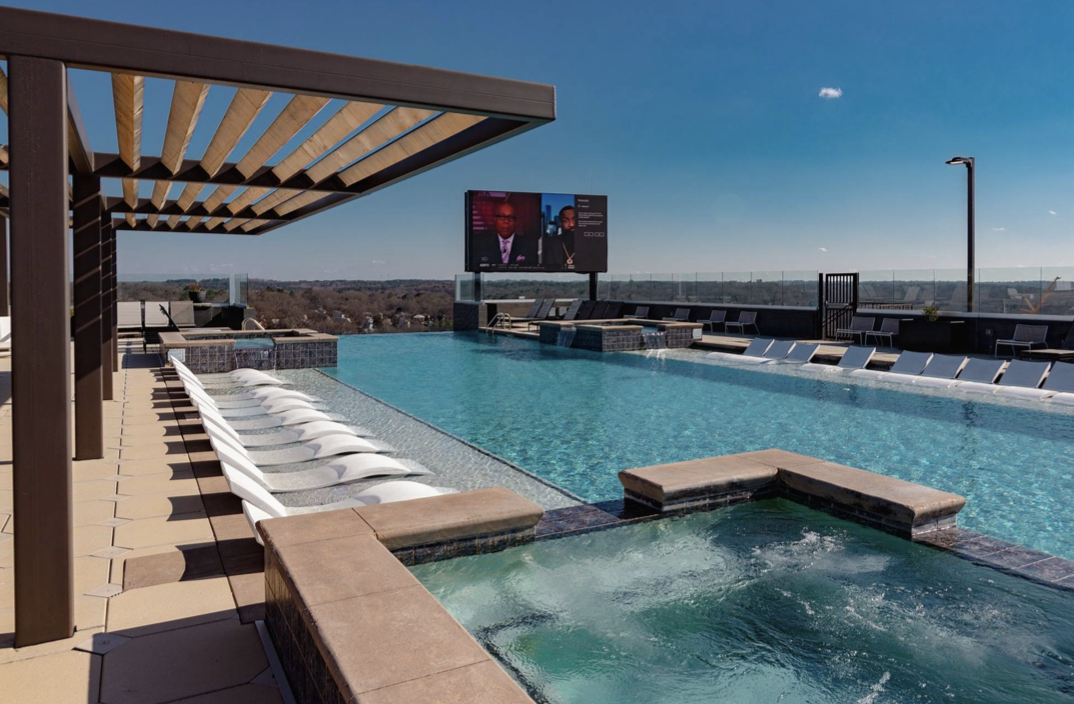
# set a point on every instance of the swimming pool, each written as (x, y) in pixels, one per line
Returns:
(761, 602)
(576, 418)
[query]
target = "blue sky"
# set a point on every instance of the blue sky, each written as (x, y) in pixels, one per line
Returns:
(701, 121)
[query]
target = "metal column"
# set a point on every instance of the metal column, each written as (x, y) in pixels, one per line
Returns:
(89, 407)
(41, 354)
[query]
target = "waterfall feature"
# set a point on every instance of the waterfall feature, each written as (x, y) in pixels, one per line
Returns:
(655, 340)
(565, 337)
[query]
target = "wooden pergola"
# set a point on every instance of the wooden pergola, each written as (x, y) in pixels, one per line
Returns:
(386, 122)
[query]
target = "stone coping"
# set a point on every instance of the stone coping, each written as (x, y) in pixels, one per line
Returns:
(352, 624)
(668, 325)
(600, 327)
(227, 337)
(878, 500)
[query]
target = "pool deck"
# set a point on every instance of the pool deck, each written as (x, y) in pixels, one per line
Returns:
(183, 628)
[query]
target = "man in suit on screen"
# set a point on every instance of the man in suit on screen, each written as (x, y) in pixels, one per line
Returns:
(508, 247)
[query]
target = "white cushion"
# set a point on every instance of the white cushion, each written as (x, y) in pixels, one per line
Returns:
(868, 374)
(901, 378)
(1023, 392)
(812, 367)
(934, 381)
(1065, 399)
(977, 387)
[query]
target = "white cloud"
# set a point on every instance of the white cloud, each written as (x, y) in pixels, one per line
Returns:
(378, 262)
(999, 229)
(823, 249)
(830, 93)
(1052, 212)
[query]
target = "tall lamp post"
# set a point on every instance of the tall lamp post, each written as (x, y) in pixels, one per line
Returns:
(969, 162)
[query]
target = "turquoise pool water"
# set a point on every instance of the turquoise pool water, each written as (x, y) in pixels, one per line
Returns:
(763, 602)
(577, 418)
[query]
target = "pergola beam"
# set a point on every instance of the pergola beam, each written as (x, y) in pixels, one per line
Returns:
(200, 229)
(78, 143)
(147, 51)
(128, 94)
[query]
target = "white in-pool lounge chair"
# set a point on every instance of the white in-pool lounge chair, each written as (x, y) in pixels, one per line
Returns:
(941, 371)
(1023, 378)
(903, 371)
(778, 350)
(1060, 382)
(254, 396)
(247, 489)
(272, 407)
(979, 376)
(321, 448)
(855, 357)
(753, 354)
(287, 436)
(802, 353)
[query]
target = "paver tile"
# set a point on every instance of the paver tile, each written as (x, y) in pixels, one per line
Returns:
(170, 606)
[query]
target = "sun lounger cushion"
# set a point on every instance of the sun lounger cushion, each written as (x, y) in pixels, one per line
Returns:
(944, 366)
(911, 362)
(182, 313)
(1024, 374)
(1063, 398)
(868, 373)
(982, 371)
(978, 387)
(802, 354)
(757, 347)
(1060, 379)
(779, 349)
(934, 381)
(129, 314)
(856, 357)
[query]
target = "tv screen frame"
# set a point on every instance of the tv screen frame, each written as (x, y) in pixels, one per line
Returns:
(514, 231)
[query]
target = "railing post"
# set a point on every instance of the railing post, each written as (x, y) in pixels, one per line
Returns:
(41, 353)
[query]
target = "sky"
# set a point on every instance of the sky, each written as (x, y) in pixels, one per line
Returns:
(728, 136)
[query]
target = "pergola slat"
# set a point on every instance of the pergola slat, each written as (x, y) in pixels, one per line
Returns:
(3, 90)
(4, 158)
(244, 109)
(295, 115)
(128, 92)
(187, 101)
(380, 132)
(349, 118)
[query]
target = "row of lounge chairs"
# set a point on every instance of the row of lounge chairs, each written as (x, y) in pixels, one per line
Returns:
(252, 410)
(1018, 378)
(746, 319)
(577, 310)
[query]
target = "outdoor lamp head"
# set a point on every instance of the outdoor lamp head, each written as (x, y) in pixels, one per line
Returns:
(967, 160)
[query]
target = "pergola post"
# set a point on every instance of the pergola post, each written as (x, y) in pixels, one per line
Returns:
(41, 324)
(112, 300)
(89, 408)
(5, 306)
(105, 299)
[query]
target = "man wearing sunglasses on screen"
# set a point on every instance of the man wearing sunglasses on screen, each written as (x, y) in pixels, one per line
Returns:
(510, 247)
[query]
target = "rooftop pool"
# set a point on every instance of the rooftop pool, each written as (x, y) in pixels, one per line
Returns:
(760, 602)
(576, 418)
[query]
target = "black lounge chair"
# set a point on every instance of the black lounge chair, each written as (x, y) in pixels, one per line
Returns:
(599, 307)
(889, 330)
(716, 317)
(1024, 336)
(614, 311)
(641, 312)
(682, 315)
(746, 318)
(860, 325)
(572, 311)
(584, 313)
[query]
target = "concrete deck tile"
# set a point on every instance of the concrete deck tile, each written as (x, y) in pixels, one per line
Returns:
(118, 562)
(482, 683)
(7, 553)
(102, 643)
(90, 573)
(376, 644)
(156, 465)
(162, 531)
(243, 694)
(71, 676)
(97, 489)
(89, 470)
(197, 561)
(248, 590)
(148, 451)
(109, 553)
(90, 612)
(89, 539)
(157, 505)
(170, 483)
(166, 667)
(170, 606)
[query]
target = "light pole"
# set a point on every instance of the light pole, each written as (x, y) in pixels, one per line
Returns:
(969, 162)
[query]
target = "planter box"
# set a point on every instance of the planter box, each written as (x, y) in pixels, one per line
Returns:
(942, 336)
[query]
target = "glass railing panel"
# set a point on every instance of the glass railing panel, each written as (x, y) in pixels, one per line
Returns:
(950, 287)
(200, 288)
(1009, 290)
(767, 288)
(464, 287)
(1057, 290)
(736, 287)
(876, 288)
(913, 289)
(800, 288)
(709, 287)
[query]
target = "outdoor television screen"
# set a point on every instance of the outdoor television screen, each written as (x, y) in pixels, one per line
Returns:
(550, 232)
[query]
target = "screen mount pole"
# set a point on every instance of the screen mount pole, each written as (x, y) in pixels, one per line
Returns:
(592, 285)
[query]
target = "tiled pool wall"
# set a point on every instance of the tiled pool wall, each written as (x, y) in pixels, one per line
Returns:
(213, 353)
(619, 337)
